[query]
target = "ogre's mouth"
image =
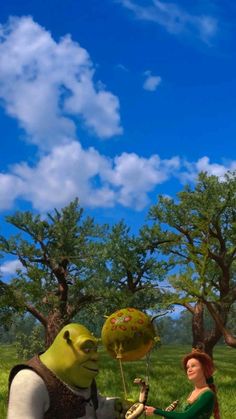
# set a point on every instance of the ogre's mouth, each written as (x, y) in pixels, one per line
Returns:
(90, 369)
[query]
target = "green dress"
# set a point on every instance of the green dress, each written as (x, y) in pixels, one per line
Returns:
(201, 408)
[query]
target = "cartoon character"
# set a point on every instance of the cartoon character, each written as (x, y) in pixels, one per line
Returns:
(202, 402)
(60, 383)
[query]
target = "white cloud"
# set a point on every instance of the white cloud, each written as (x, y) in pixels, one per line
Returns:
(191, 169)
(44, 84)
(10, 267)
(174, 18)
(10, 189)
(204, 165)
(122, 67)
(69, 171)
(136, 176)
(152, 82)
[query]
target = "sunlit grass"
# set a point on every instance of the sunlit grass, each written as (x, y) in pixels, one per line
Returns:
(225, 359)
(166, 378)
(7, 360)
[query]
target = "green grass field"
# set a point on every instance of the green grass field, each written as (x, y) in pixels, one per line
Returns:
(166, 377)
(7, 360)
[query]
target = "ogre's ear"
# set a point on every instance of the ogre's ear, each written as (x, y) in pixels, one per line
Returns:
(66, 336)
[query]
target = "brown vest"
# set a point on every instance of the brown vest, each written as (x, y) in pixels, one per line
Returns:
(64, 403)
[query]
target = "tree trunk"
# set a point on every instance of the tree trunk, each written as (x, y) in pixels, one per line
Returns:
(211, 340)
(230, 340)
(198, 330)
(201, 339)
(55, 322)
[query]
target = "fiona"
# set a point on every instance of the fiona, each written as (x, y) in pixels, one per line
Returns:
(202, 401)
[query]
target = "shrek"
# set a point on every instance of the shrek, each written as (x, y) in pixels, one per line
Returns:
(60, 383)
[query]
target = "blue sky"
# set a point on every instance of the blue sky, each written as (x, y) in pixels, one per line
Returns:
(113, 101)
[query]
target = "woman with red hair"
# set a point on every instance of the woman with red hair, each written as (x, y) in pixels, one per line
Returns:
(202, 401)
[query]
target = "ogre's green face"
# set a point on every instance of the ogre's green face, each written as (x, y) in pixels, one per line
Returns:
(73, 356)
(84, 362)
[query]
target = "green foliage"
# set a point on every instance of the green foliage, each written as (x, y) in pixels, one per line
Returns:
(16, 324)
(200, 230)
(175, 331)
(27, 345)
(132, 270)
(61, 257)
(201, 223)
(73, 268)
(179, 330)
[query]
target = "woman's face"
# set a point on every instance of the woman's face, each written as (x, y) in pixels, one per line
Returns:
(194, 370)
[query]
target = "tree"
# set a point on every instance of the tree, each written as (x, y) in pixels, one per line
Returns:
(133, 271)
(201, 227)
(61, 264)
(231, 324)
(175, 330)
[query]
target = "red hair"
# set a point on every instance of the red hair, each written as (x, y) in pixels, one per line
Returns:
(208, 369)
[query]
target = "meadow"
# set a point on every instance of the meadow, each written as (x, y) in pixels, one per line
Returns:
(166, 378)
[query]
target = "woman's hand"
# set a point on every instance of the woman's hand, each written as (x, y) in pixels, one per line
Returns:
(149, 410)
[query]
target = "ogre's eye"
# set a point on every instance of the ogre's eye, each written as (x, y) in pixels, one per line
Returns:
(88, 346)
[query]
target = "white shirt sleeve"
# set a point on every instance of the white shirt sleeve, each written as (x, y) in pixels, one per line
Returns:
(29, 397)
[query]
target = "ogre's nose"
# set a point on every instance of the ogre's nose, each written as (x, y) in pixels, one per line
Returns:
(94, 356)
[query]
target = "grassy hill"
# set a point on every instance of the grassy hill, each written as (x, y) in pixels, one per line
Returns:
(166, 377)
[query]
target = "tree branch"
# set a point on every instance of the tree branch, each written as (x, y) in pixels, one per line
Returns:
(39, 316)
(230, 340)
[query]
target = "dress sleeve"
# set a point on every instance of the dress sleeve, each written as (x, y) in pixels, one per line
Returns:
(203, 405)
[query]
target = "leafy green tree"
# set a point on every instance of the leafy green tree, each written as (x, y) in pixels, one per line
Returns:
(201, 228)
(61, 257)
(133, 271)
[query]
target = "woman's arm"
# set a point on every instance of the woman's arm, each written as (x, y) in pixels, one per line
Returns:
(203, 404)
